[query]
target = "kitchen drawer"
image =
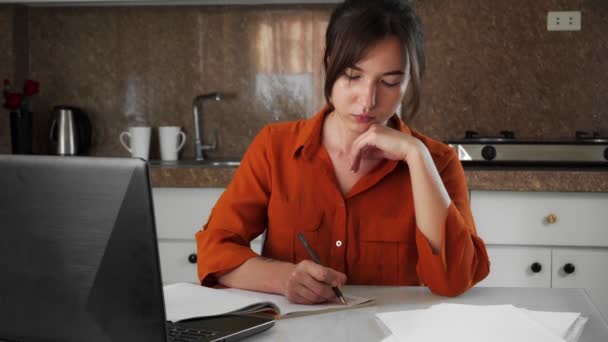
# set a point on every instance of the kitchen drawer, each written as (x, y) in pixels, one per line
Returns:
(175, 265)
(588, 269)
(178, 259)
(181, 212)
(512, 267)
(522, 218)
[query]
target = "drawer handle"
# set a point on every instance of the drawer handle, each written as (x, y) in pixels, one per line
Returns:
(551, 218)
(569, 268)
(536, 267)
(192, 258)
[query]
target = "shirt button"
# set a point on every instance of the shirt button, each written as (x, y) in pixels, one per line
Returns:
(341, 205)
(338, 243)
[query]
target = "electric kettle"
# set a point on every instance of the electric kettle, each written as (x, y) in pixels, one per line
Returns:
(70, 132)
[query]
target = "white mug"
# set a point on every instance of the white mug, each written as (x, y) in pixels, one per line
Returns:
(139, 141)
(172, 139)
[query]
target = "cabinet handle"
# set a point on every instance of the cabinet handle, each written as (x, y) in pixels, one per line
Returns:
(536, 267)
(569, 268)
(551, 218)
(192, 258)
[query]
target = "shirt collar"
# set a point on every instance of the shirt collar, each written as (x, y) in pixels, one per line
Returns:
(310, 136)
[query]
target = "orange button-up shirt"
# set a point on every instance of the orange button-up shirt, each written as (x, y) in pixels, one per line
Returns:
(286, 184)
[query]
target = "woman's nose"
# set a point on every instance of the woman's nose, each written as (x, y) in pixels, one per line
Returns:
(367, 97)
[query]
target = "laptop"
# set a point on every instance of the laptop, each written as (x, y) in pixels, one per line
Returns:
(79, 256)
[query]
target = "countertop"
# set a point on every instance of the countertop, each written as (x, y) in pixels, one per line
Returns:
(360, 324)
(590, 179)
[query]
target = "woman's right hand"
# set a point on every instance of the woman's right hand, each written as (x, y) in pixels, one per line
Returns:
(310, 283)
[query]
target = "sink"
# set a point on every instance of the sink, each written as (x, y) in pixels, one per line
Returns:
(194, 163)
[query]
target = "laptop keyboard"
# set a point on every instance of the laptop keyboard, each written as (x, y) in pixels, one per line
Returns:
(180, 333)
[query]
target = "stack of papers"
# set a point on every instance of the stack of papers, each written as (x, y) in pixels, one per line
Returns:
(473, 323)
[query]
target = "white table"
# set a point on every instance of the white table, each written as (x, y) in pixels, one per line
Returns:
(361, 325)
(599, 298)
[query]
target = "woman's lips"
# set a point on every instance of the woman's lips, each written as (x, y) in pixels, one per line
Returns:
(362, 118)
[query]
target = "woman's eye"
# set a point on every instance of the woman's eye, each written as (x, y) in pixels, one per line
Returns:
(391, 84)
(352, 76)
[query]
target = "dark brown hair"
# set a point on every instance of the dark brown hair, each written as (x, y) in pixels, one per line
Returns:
(356, 25)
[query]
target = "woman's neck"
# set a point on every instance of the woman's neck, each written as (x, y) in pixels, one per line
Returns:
(336, 136)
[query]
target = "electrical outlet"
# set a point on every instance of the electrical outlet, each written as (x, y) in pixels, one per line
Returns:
(564, 21)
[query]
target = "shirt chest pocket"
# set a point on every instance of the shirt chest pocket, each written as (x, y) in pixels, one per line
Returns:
(387, 250)
(285, 221)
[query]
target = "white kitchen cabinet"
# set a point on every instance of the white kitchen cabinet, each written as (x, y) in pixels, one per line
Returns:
(541, 218)
(178, 261)
(515, 266)
(551, 228)
(180, 213)
(580, 267)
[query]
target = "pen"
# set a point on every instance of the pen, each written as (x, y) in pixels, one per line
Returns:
(315, 258)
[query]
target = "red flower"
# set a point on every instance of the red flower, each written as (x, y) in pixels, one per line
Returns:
(12, 100)
(31, 87)
(20, 101)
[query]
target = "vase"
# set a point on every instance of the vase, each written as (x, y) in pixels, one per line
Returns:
(21, 132)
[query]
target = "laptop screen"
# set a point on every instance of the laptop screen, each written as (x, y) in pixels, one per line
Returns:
(78, 252)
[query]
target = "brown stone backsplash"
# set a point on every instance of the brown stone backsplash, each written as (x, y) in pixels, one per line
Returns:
(492, 65)
(6, 69)
(590, 180)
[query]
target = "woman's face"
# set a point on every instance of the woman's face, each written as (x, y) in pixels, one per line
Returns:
(370, 91)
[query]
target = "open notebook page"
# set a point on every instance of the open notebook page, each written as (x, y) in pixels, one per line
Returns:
(185, 300)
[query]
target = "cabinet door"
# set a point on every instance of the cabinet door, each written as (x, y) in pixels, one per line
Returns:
(541, 218)
(512, 266)
(178, 261)
(580, 267)
(181, 212)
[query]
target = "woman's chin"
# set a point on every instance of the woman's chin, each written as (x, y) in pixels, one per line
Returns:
(360, 127)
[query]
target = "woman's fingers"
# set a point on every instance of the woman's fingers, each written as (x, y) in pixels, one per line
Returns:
(379, 142)
(311, 283)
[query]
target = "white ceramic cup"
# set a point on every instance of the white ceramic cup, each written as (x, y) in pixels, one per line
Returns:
(139, 141)
(172, 139)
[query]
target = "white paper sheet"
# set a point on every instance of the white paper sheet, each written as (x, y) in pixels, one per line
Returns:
(471, 323)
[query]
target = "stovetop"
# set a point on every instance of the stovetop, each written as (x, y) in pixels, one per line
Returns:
(508, 137)
(505, 148)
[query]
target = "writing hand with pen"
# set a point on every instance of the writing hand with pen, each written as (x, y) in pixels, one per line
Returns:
(312, 283)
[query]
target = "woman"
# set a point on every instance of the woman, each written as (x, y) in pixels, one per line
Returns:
(380, 203)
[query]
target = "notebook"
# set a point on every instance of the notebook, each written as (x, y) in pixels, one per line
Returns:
(185, 301)
(79, 256)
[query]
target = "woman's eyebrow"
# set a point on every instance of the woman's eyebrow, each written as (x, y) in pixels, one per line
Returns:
(388, 73)
(394, 72)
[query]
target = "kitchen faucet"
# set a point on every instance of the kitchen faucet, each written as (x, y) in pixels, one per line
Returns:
(199, 147)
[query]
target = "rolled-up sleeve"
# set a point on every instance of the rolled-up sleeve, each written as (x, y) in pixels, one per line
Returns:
(239, 216)
(463, 260)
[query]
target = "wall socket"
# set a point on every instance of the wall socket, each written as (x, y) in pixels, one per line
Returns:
(564, 21)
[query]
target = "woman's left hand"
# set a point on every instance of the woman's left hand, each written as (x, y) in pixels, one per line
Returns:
(382, 142)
